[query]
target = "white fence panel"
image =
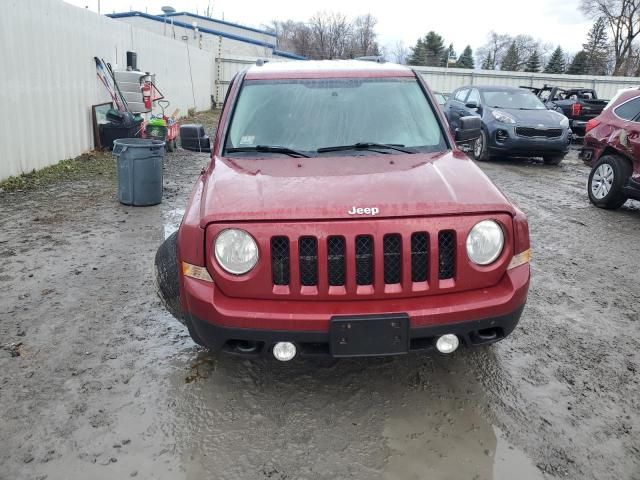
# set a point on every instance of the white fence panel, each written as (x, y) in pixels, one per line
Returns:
(48, 77)
(228, 66)
(448, 79)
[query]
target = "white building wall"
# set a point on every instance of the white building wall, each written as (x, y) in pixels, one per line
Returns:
(448, 79)
(48, 77)
(214, 24)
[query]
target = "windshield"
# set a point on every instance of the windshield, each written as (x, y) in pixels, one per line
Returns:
(516, 99)
(306, 115)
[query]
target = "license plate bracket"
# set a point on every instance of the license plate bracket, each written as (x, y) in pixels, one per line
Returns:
(369, 335)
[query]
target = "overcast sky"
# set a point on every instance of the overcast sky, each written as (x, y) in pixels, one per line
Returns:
(459, 21)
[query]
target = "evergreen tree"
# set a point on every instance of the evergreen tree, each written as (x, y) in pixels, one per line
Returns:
(579, 64)
(511, 59)
(487, 63)
(556, 62)
(434, 46)
(418, 54)
(533, 64)
(447, 54)
(466, 59)
(428, 51)
(596, 49)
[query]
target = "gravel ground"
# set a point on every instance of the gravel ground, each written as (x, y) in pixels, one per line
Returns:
(97, 381)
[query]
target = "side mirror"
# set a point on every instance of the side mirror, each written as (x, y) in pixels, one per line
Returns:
(470, 128)
(192, 137)
(472, 105)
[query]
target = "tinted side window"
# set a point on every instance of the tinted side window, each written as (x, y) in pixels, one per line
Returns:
(628, 110)
(462, 94)
(474, 96)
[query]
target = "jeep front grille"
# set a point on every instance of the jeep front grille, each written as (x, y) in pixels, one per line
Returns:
(308, 261)
(364, 260)
(446, 254)
(280, 260)
(419, 256)
(395, 250)
(392, 251)
(336, 255)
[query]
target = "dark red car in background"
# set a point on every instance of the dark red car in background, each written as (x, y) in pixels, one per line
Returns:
(338, 217)
(612, 150)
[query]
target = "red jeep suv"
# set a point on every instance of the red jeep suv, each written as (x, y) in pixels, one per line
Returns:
(612, 150)
(337, 217)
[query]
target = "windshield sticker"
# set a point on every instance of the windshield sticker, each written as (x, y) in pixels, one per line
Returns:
(247, 139)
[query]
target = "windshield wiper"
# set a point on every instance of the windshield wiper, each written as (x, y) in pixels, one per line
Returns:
(269, 149)
(366, 146)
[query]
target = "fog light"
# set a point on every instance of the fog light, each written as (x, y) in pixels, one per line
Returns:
(447, 343)
(285, 351)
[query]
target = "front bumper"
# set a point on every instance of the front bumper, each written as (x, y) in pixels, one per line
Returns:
(317, 344)
(503, 140)
(224, 322)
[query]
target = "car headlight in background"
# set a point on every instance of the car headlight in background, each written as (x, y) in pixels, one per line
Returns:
(502, 117)
(564, 122)
(236, 251)
(485, 242)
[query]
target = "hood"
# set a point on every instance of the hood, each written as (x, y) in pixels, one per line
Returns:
(285, 188)
(534, 118)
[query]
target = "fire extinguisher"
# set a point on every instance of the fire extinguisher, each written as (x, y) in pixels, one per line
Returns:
(146, 95)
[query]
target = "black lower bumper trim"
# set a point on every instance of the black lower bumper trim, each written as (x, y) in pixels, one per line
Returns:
(243, 341)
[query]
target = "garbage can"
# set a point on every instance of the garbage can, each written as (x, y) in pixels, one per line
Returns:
(139, 170)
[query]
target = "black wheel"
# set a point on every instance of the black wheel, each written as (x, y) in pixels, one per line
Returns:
(168, 285)
(606, 180)
(171, 145)
(479, 149)
(553, 159)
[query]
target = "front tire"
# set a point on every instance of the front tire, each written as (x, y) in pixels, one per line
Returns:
(606, 180)
(553, 159)
(168, 284)
(479, 148)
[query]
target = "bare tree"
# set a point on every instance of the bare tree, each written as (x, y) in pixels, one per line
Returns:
(398, 52)
(327, 35)
(623, 20)
(526, 46)
(364, 36)
(331, 34)
(494, 50)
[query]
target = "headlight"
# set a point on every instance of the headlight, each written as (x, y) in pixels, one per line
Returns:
(236, 251)
(564, 122)
(502, 117)
(485, 242)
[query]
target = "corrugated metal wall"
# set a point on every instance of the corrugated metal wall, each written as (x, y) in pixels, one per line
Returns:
(446, 80)
(48, 79)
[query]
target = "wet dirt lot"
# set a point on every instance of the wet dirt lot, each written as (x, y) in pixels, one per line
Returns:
(98, 381)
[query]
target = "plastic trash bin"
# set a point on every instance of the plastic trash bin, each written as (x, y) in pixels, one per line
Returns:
(139, 170)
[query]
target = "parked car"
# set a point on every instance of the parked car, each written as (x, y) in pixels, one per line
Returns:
(579, 105)
(612, 150)
(328, 224)
(515, 123)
